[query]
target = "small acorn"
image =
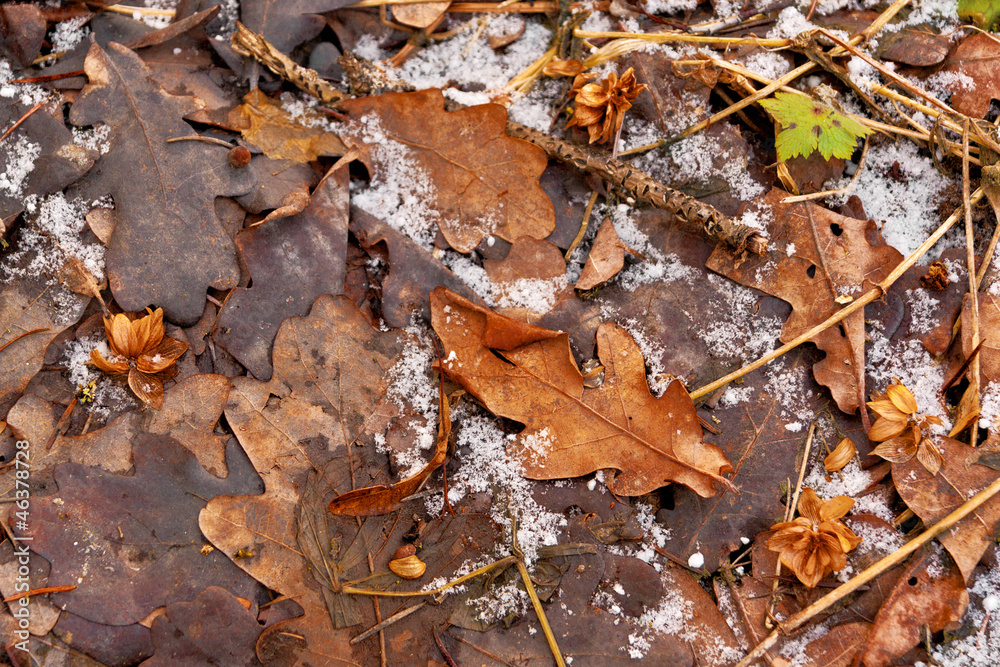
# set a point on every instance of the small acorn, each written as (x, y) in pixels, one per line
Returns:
(239, 157)
(404, 551)
(409, 567)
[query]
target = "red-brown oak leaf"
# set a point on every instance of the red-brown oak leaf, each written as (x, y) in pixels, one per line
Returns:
(527, 374)
(817, 257)
(484, 182)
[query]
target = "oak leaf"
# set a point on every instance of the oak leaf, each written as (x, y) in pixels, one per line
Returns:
(265, 124)
(819, 257)
(527, 374)
(485, 182)
(168, 245)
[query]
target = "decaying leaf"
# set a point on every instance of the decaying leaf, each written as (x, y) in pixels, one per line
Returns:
(818, 257)
(976, 59)
(292, 262)
(331, 371)
(421, 14)
(375, 500)
(527, 374)
(606, 258)
(932, 497)
(168, 246)
(530, 280)
(484, 181)
(266, 125)
(930, 593)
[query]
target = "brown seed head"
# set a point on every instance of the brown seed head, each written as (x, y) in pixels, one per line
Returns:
(239, 157)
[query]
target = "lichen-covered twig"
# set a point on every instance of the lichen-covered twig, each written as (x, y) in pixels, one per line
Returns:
(366, 78)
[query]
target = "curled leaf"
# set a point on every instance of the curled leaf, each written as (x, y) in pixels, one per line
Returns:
(840, 456)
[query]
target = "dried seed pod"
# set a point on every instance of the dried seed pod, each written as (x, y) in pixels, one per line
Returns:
(404, 551)
(593, 374)
(239, 157)
(410, 567)
(840, 456)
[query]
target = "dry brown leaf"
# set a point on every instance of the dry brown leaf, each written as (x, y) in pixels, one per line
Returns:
(932, 497)
(486, 182)
(989, 335)
(977, 58)
(420, 15)
(817, 257)
(930, 592)
(523, 281)
(527, 374)
(272, 129)
(606, 258)
(375, 500)
(841, 456)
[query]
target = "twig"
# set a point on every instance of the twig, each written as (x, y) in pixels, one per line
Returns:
(444, 651)
(799, 619)
(542, 620)
(199, 137)
(144, 11)
(970, 259)
(643, 187)
(875, 293)
(586, 220)
(27, 114)
(398, 616)
(633, 182)
(790, 514)
(248, 43)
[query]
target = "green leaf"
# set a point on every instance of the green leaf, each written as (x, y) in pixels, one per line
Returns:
(808, 125)
(984, 13)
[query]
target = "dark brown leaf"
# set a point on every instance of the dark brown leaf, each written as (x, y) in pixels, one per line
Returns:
(167, 246)
(292, 262)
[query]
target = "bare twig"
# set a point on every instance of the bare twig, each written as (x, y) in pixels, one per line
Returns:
(586, 220)
(625, 177)
(379, 627)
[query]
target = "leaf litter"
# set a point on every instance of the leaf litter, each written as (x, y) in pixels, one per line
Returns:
(428, 214)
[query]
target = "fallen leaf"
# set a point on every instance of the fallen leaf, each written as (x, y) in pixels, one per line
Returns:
(287, 23)
(44, 142)
(331, 370)
(832, 256)
(932, 497)
(421, 14)
(29, 320)
(989, 335)
(976, 58)
(212, 629)
(375, 500)
(530, 280)
(486, 182)
(168, 246)
(292, 262)
(22, 28)
(808, 125)
(930, 593)
(191, 409)
(527, 374)
(413, 272)
(278, 183)
(837, 648)
(606, 258)
(132, 539)
(265, 124)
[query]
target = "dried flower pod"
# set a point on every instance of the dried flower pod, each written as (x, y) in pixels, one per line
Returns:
(563, 68)
(601, 107)
(410, 567)
(239, 157)
(404, 551)
(840, 456)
